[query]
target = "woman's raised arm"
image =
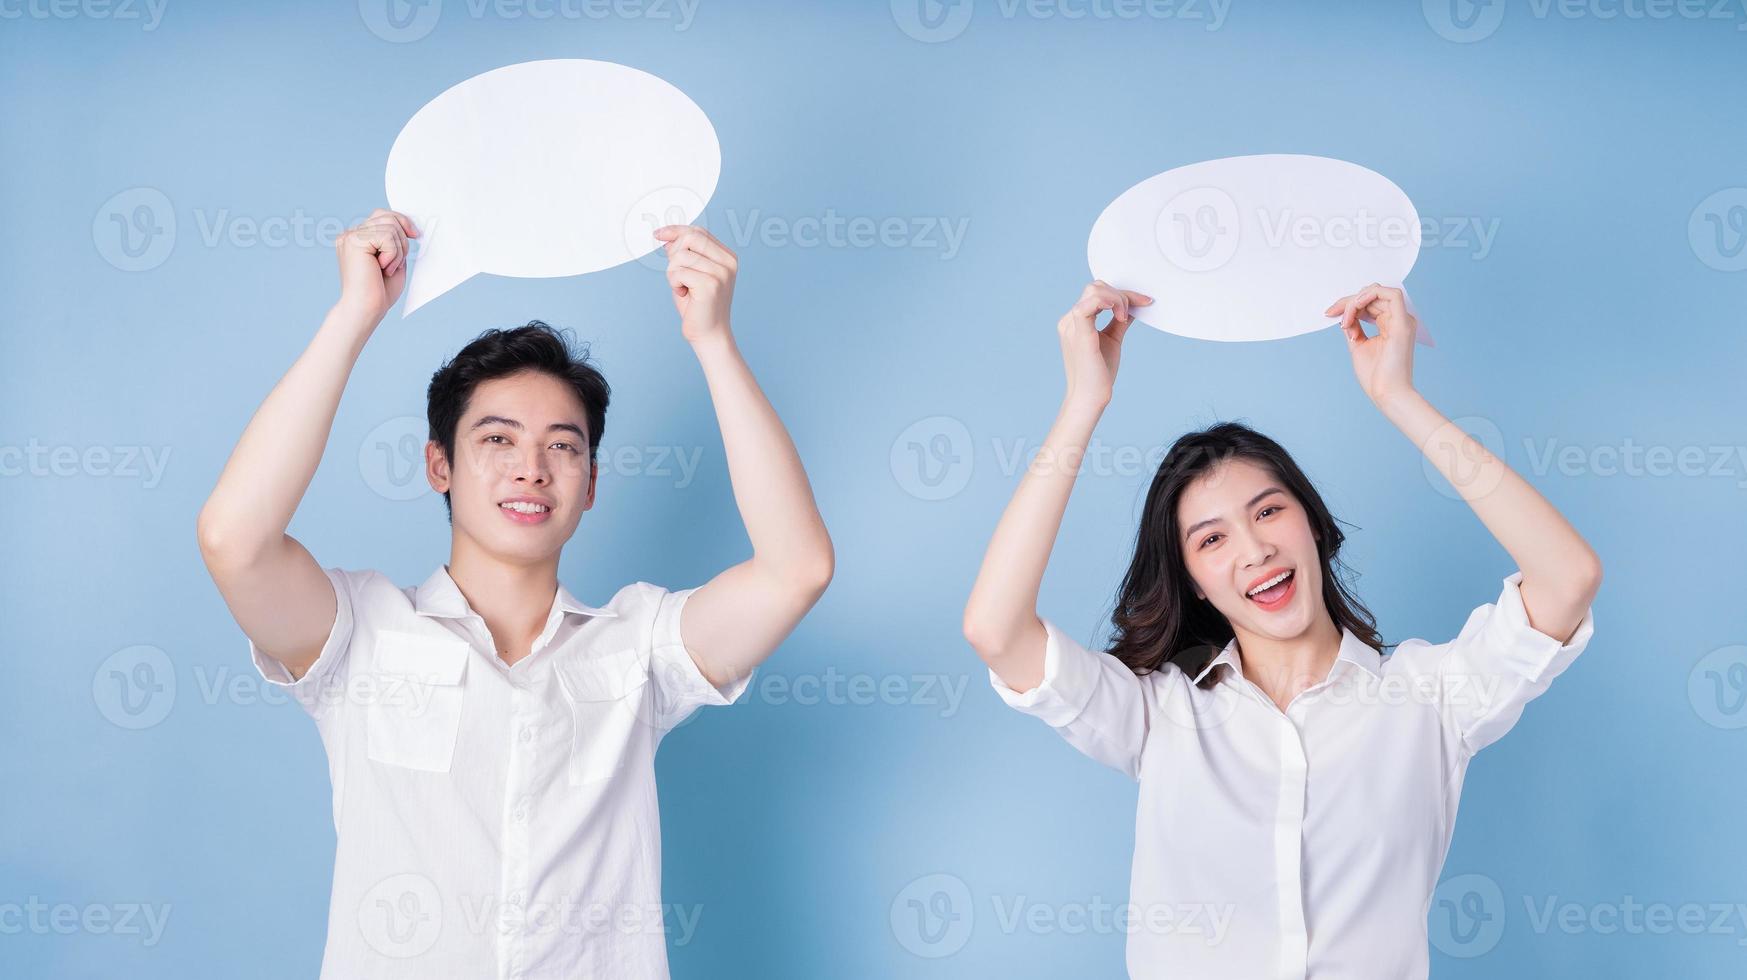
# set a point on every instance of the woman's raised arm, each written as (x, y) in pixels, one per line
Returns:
(1000, 618)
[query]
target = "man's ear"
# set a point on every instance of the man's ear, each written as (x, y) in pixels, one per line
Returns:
(593, 471)
(436, 466)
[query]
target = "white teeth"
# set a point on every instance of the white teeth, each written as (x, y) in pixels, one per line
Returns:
(1276, 580)
(522, 507)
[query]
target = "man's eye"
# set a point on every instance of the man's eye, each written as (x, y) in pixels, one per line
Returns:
(494, 436)
(567, 446)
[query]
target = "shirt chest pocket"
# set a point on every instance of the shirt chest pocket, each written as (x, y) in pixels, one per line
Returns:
(609, 713)
(416, 713)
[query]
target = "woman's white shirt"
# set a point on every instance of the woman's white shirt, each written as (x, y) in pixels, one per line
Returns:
(1304, 844)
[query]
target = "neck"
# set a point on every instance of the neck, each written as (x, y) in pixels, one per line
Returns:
(1283, 668)
(514, 598)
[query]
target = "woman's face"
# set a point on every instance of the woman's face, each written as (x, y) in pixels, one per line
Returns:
(1241, 528)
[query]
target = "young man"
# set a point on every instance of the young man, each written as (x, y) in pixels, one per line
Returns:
(490, 738)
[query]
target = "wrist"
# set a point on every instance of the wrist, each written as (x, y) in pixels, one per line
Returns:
(718, 341)
(1080, 405)
(1394, 401)
(355, 312)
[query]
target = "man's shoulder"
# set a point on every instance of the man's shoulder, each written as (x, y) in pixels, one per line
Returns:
(371, 586)
(638, 595)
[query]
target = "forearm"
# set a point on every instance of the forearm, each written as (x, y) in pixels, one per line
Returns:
(1545, 547)
(271, 467)
(1003, 602)
(770, 486)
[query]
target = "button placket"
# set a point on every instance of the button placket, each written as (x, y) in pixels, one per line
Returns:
(1289, 853)
(523, 754)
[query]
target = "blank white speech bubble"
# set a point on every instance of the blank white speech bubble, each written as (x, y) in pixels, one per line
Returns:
(1255, 247)
(547, 168)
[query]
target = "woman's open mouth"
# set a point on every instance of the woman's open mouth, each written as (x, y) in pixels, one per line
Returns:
(1278, 593)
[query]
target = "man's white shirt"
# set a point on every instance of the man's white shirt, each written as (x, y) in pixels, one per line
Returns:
(1304, 844)
(492, 820)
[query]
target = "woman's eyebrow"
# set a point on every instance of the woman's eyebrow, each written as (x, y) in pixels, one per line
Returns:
(1215, 520)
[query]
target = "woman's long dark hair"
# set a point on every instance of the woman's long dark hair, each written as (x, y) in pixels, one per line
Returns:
(1158, 617)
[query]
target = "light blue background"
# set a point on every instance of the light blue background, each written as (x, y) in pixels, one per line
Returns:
(1594, 321)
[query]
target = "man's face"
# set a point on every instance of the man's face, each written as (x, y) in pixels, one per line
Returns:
(1241, 527)
(521, 478)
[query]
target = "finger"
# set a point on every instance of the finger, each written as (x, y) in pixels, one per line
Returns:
(382, 244)
(1118, 329)
(402, 220)
(691, 279)
(686, 258)
(1118, 299)
(699, 240)
(1361, 302)
(1355, 335)
(390, 246)
(1137, 299)
(1089, 305)
(674, 282)
(1087, 309)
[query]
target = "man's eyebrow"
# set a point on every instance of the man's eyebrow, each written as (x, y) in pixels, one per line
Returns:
(513, 424)
(1215, 520)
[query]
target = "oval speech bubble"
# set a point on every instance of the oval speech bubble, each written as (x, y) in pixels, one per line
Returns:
(1254, 247)
(547, 168)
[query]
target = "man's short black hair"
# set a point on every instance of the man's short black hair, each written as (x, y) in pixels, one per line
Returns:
(500, 353)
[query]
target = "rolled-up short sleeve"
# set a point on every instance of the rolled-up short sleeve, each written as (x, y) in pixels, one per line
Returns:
(329, 666)
(1095, 702)
(1498, 664)
(680, 687)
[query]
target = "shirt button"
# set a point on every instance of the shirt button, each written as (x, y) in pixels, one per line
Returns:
(527, 734)
(521, 813)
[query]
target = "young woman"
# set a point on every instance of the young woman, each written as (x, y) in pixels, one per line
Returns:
(1298, 788)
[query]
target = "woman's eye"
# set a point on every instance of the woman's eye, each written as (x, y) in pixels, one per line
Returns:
(1268, 508)
(1208, 540)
